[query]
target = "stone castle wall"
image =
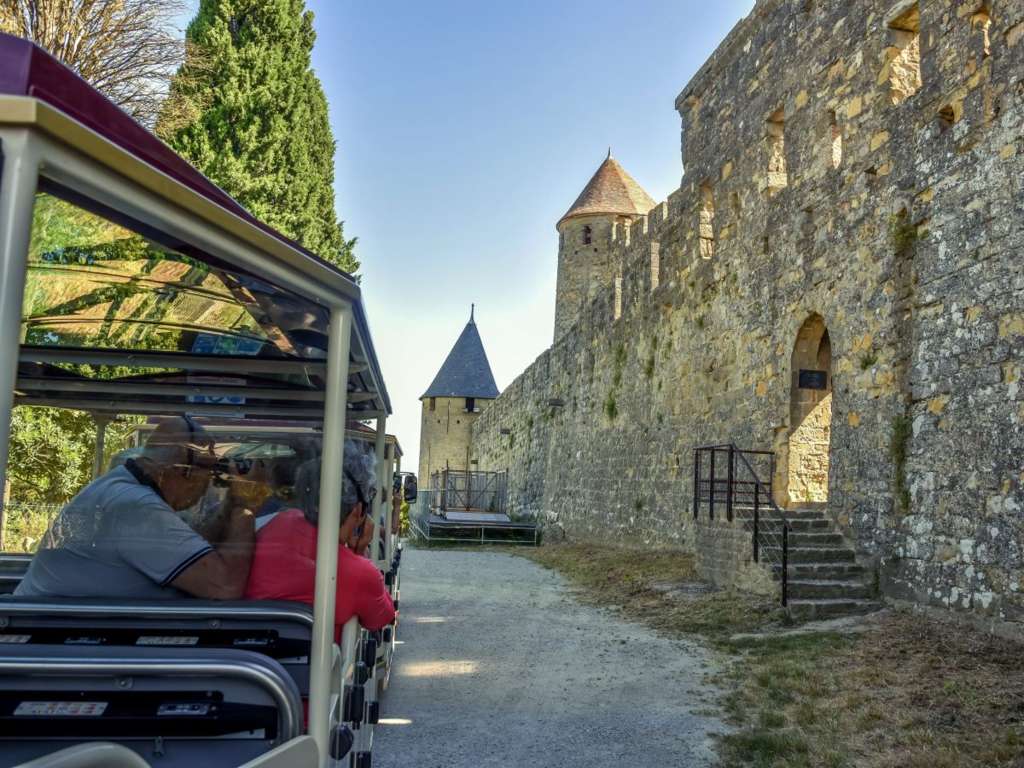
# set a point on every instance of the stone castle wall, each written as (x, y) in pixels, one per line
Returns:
(582, 267)
(585, 268)
(830, 179)
(445, 428)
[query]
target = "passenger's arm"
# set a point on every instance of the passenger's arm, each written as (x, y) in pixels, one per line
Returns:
(222, 573)
(359, 543)
(350, 523)
(373, 603)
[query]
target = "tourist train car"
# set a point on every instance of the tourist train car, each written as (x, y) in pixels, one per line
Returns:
(132, 287)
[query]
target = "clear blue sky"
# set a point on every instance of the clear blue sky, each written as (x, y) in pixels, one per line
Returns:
(465, 130)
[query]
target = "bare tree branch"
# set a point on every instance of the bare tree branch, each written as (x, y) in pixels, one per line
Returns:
(128, 49)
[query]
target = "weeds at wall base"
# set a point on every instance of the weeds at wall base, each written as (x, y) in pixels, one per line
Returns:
(611, 409)
(901, 432)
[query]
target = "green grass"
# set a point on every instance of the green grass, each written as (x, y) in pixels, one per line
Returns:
(910, 692)
(649, 367)
(764, 747)
(611, 408)
(626, 579)
(901, 432)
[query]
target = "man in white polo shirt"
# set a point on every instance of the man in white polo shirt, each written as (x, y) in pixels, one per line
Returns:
(121, 535)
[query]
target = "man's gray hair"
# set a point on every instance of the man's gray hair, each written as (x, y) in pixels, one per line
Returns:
(359, 466)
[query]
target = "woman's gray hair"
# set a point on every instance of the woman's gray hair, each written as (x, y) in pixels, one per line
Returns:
(359, 466)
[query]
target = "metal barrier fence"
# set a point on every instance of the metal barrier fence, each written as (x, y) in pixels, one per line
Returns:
(427, 524)
(457, 489)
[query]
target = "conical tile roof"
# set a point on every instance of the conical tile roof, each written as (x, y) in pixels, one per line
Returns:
(466, 372)
(610, 191)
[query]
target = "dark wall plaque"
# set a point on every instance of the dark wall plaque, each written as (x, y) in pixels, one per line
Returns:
(813, 379)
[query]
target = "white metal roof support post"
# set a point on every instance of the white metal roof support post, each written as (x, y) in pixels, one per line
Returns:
(332, 461)
(392, 512)
(389, 507)
(20, 173)
(397, 469)
(380, 449)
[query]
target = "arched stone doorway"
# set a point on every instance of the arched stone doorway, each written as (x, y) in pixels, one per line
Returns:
(810, 415)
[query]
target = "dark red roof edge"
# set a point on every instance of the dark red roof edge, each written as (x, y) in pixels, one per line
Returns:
(28, 70)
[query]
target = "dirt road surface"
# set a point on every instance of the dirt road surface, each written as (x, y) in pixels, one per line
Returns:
(500, 666)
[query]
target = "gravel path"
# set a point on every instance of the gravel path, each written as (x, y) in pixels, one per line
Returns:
(500, 666)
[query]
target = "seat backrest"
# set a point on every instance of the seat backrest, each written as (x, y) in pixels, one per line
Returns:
(12, 570)
(182, 707)
(277, 629)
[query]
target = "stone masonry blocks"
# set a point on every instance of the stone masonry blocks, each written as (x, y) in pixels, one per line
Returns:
(906, 238)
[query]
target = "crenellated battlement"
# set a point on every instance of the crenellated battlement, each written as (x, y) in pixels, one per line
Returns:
(828, 139)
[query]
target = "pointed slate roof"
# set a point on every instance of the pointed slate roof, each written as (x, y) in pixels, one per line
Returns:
(610, 190)
(466, 372)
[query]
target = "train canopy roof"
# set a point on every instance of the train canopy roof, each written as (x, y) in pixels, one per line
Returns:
(167, 295)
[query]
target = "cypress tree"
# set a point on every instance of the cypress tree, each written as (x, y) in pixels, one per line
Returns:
(247, 110)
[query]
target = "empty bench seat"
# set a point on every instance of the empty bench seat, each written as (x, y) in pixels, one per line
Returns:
(178, 708)
(13, 567)
(279, 629)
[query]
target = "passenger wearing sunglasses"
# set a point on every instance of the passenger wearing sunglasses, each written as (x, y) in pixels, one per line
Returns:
(284, 561)
(123, 534)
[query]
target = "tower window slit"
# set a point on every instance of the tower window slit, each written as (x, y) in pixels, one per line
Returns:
(835, 137)
(775, 138)
(707, 221)
(904, 55)
(655, 265)
(981, 23)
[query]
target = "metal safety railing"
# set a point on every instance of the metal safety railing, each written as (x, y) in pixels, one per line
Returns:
(724, 477)
(427, 524)
(457, 489)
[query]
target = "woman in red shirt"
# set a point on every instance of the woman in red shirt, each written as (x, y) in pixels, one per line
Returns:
(284, 560)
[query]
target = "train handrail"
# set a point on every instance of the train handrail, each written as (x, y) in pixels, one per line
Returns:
(186, 608)
(34, 661)
(96, 754)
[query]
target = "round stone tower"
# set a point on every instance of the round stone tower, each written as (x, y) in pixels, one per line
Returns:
(585, 263)
(462, 389)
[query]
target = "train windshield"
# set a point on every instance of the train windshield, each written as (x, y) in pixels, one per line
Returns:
(125, 329)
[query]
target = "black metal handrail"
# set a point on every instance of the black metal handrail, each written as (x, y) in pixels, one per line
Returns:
(750, 494)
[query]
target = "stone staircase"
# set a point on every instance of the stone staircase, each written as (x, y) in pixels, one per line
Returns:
(825, 580)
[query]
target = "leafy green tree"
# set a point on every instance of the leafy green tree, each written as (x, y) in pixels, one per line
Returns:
(128, 49)
(247, 110)
(49, 459)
